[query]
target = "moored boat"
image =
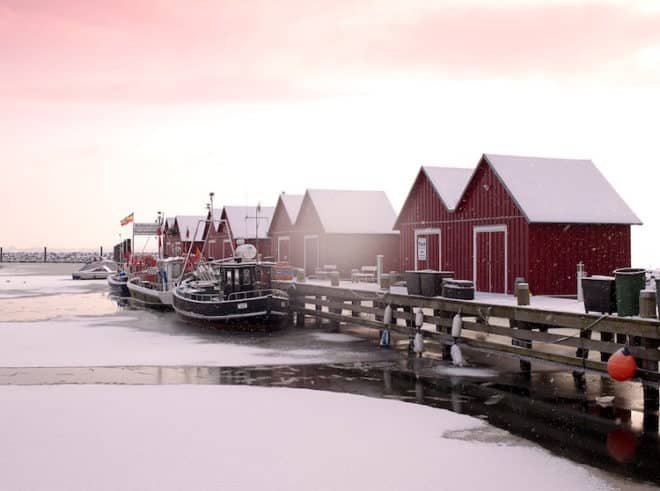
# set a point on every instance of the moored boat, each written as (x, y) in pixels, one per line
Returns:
(97, 270)
(231, 293)
(118, 283)
(153, 286)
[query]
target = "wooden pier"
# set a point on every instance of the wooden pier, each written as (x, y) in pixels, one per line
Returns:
(526, 332)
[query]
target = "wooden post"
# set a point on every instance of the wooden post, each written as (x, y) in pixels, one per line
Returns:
(299, 302)
(318, 307)
(647, 304)
(101, 251)
(380, 306)
(45, 255)
(335, 310)
(0, 254)
(354, 313)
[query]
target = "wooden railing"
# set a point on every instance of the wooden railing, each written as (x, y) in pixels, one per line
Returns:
(523, 331)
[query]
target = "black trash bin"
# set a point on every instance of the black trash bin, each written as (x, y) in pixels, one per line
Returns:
(599, 294)
(431, 281)
(413, 282)
(629, 282)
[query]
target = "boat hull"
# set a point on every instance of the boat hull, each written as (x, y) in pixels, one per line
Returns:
(118, 286)
(97, 275)
(267, 311)
(150, 297)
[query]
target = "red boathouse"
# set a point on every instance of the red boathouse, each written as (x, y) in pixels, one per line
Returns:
(285, 241)
(247, 223)
(528, 217)
(347, 229)
(182, 233)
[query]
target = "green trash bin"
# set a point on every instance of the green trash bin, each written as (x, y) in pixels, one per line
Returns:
(629, 282)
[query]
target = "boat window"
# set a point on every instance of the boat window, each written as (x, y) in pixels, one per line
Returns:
(247, 277)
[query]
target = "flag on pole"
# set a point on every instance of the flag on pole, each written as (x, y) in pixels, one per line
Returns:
(126, 220)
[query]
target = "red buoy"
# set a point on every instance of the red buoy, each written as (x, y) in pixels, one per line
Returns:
(621, 366)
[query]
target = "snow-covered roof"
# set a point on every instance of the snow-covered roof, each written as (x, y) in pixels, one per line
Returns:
(551, 190)
(448, 182)
(353, 212)
(169, 222)
(187, 225)
(246, 228)
(292, 203)
(217, 213)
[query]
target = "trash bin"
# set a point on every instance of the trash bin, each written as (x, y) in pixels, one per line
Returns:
(599, 294)
(458, 289)
(431, 281)
(413, 283)
(629, 282)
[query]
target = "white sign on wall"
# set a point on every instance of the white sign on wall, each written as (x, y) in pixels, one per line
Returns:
(421, 248)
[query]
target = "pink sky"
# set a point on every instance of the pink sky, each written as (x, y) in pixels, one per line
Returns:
(306, 93)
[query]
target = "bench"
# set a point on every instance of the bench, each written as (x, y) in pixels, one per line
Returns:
(324, 272)
(365, 273)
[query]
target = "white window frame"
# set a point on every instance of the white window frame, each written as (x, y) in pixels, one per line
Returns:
(485, 229)
(429, 231)
(281, 239)
(318, 250)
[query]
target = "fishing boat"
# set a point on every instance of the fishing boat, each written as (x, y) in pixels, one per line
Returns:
(118, 283)
(97, 270)
(153, 286)
(237, 291)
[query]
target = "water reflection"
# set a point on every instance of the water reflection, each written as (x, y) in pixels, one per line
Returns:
(548, 408)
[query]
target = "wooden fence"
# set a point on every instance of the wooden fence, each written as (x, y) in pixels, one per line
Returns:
(525, 331)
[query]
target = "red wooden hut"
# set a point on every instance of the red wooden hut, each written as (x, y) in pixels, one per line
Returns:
(183, 233)
(347, 229)
(285, 240)
(528, 217)
(215, 236)
(249, 224)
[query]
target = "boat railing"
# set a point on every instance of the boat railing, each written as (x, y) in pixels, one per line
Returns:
(249, 294)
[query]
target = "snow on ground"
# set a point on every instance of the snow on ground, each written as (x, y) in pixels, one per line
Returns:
(144, 338)
(22, 285)
(335, 337)
(235, 438)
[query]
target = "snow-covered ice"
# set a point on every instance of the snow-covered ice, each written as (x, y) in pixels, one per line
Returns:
(17, 285)
(228, 437)
(143, 338)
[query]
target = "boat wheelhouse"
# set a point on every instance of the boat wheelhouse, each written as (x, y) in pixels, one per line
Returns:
(231, 292)
(153, 286)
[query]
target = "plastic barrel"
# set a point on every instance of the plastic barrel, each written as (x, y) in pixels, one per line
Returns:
(629, 282)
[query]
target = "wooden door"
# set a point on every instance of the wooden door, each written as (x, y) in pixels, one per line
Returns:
(283, 249)
(311, 254)
(490, 261)
(226, 249)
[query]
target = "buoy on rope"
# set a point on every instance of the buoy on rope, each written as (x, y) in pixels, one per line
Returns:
(419, 317)
(387, 315)
(456, 326)
(622, 366)
(456, 355)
